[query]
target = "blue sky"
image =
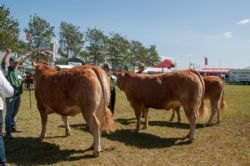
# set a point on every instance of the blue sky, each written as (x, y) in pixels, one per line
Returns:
(185, 30)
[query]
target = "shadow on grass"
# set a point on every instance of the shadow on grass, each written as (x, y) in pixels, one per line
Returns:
(82, 127)
(179, 125)
(126, 121)
(143, 140)
(31, 151)
(161, 123)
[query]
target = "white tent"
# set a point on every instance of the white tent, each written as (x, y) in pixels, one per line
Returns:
(150, 70)
(65, 66)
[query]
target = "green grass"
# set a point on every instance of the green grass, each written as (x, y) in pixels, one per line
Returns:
(224, 144)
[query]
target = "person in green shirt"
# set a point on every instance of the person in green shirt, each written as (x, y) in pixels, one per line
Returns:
(14, 77)
(107, 68)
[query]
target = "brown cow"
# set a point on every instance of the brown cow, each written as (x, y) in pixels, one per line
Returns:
(28, 81)
(164, 91)
(83, 89)
(214, 91)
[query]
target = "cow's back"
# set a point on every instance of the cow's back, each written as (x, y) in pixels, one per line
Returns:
(214, 87)
(163, 90)
(67, 92)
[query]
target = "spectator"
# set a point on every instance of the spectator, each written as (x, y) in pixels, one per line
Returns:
(6, 90)
(141, 68)
(107, 68)
(12, 103)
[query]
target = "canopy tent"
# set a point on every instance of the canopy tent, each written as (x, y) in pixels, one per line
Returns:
(151, 70)
(215, 71)
(167, 63)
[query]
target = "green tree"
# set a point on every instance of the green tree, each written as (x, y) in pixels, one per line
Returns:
(118, 49)
(71, 39)
(21, 47)
(152, 57)
(9, 29)
(96, 45)
(40, 31)
(137, 53)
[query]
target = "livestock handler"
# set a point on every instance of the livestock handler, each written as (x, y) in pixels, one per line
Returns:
(6, 90)
(14, 76)
(107, 68)
(141, 68)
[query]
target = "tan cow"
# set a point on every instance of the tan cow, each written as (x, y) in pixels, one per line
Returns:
(214, 91)
(164, 91)
(83, 89)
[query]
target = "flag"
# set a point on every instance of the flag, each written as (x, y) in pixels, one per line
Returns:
(206, 61)
(28, 37)
(55, 49)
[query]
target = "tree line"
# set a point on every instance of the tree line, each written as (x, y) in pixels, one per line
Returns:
(93, 45)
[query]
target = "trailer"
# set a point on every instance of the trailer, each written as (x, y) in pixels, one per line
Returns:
(241, 76)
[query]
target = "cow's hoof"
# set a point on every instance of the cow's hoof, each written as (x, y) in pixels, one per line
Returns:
(41, 138)
(144, 127)
(171, 120)
(136, 131)
(67, 134)
(96, 154)
(209, 123)
(191, 140)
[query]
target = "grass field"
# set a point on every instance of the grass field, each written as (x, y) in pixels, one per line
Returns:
(224, 144)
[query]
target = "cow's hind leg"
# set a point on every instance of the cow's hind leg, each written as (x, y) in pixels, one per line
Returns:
(145, 110)
(190, 113)
(173, 114)
(177, 109)
(67, 127)
(94, 126)
(214, 109)
(218, 116)
(44, 118)
(192, 124)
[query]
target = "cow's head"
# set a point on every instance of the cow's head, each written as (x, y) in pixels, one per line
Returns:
(42, 67)
(121, 81)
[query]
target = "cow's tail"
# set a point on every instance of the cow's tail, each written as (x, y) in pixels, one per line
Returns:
(202, 111)
(222, 103)
(107, 123)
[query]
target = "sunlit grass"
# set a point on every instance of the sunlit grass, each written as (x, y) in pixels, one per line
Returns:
(224, 144)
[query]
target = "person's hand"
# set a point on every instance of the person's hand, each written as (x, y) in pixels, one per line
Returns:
(8, 51)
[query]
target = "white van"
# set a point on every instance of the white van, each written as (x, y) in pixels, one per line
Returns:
(241, 76)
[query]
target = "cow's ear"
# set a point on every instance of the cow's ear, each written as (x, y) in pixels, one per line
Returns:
(118, 73)
(34, 64)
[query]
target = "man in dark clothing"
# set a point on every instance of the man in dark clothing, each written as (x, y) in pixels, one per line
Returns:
(107, 68)
(14, 76)
(141, 68)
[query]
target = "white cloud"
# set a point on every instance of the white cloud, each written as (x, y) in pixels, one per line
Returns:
(246, 21)
(228, 35)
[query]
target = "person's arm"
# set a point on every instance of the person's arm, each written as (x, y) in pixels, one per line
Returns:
(6, 89)
(4, 60)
